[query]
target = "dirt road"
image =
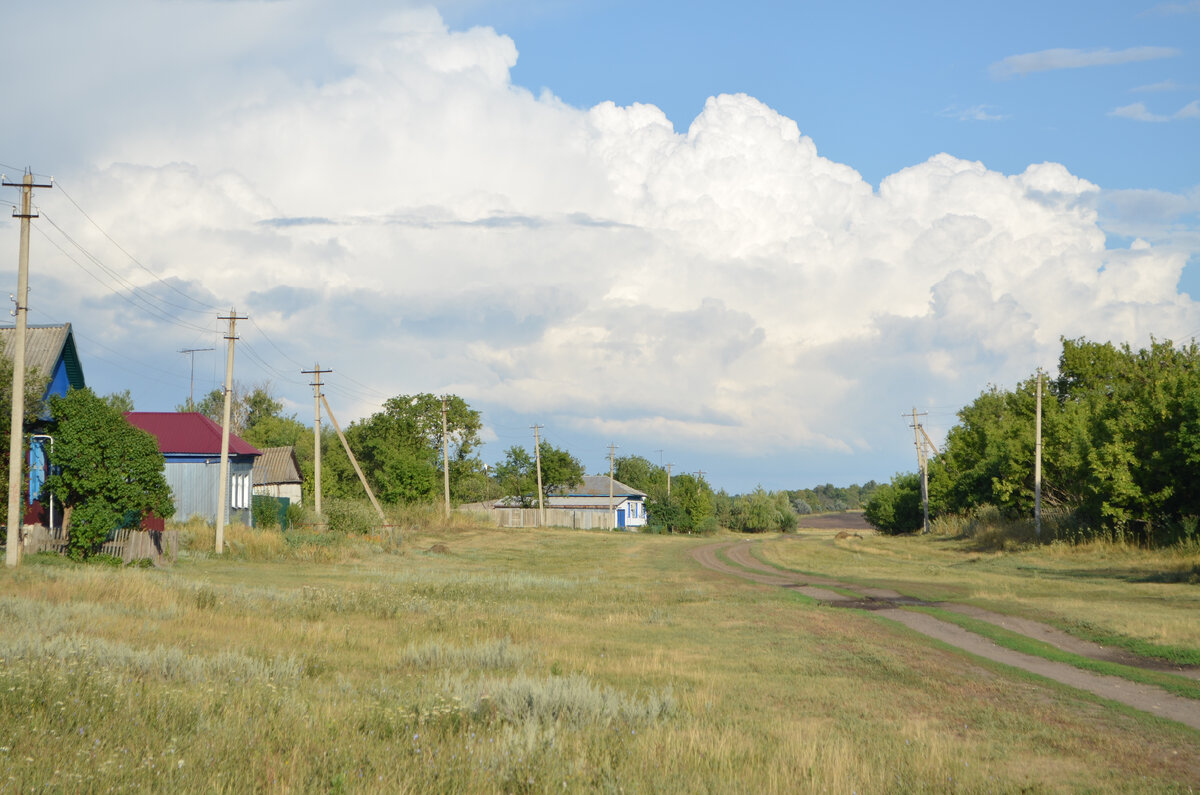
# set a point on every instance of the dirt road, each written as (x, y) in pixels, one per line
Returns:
(736, 559)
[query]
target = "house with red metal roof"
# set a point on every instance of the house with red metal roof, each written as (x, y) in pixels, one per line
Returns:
(191, 445)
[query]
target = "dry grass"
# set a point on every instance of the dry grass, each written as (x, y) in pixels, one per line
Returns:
(1100, 589)
(519, 660)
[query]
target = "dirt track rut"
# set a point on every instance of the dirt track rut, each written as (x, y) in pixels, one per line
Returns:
(736, 559)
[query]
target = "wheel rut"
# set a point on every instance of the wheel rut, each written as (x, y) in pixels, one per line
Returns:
(737, 559)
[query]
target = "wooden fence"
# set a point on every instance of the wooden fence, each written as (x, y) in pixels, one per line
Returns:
(127, 544)
(555, 517)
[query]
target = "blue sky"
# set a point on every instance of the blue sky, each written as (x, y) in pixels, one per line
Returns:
(750, 237)
(881, 86)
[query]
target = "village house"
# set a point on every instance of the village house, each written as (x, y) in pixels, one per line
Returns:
(191, 446)
(585, 506)
(277, 474)
(51, 351)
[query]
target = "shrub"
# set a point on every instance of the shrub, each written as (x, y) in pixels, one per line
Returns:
(895, 507)
(353, 517)
(295, 515)
(265, 511)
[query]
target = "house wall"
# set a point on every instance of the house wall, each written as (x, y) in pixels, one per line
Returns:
(195, 488)
(576, 518)
(290, 490)
(60, 381)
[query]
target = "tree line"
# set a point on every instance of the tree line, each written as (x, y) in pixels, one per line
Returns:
(1121, 449)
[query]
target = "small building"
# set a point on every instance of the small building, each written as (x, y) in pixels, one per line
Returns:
(277, 474)
(585, 506)
(51, 351)
(191, 446)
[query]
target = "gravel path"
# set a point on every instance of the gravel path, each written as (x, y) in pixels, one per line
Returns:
(741, 563)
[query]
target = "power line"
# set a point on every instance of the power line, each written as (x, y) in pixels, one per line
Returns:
(129, 298)
(132, 258)
(272, 343)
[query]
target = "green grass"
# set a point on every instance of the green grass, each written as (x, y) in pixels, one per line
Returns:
(520, 661)
(1108, 593)
(1179, 685)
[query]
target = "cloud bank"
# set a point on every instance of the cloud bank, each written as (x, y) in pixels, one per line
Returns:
(419, 223)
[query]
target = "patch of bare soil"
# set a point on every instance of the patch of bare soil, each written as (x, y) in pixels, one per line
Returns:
(1147, 698)
(852, 521)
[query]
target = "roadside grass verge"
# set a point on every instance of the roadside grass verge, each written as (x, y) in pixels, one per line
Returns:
(1178, 685)
(1101, 591)
(518, 661)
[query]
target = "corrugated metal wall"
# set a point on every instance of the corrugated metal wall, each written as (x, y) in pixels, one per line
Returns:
(196, 488)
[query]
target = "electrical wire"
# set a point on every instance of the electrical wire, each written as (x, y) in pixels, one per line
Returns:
(145, 307)
(133, 288)
(132, 258)
(272, 343)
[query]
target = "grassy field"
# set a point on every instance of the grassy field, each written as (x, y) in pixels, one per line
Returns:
(537, 661)
(1145, 601)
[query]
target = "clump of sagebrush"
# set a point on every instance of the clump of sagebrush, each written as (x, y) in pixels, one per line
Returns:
(573, 700)
(486, 656)
(32, 648)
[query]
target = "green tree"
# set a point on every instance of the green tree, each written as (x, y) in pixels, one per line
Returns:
(896, 507)
(561, 471)
(516, 477)
(400, 450)
(691, 507)
(107, 473)
(517, 473)
(247, 407)
(121, 401)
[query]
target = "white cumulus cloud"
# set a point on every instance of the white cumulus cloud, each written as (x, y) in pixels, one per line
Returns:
(419, 223)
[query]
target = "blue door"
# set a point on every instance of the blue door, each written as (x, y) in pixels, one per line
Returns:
(620, 517)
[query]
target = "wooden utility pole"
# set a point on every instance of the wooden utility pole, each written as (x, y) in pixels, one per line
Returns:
(191, 354)
(1037, 461)
(223, 490)
(612, 506)
(316, 372)
(446, 458)
(537, 455)
(16, 430)
(354, 461)
(918, 431)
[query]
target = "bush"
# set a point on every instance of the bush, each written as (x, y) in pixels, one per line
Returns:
(895, 508)
(295, 515)
(265, 511)
(353, 517)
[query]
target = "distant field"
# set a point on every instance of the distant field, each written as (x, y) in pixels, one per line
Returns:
(545, 660)
(852, 521)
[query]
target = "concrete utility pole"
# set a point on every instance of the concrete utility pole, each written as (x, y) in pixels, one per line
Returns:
(612, 506)
(446, 458)
(354, 461)
(669, 480)
(191, 354)
(1037, 461)
(917, 432)
(16, 430)
(223, 499)
(316, 385)
(537, 454)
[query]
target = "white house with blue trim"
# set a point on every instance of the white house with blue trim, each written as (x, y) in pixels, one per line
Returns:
(628, 504)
